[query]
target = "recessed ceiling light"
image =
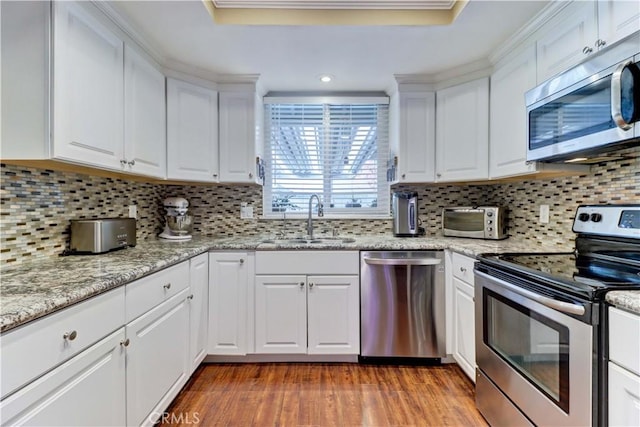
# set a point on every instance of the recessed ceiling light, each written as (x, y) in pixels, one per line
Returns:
(326, 78)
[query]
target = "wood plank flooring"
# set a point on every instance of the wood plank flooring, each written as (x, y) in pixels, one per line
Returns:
(317, 394)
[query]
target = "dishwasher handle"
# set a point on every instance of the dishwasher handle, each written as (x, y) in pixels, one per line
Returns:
(402, 261)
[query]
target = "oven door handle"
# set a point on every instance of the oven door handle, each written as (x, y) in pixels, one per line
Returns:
(565, 307)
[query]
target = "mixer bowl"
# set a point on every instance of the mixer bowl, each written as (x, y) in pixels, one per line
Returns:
(180, 225)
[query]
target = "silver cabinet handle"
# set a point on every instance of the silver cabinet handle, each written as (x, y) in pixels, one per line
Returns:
(463, 269)
(70, 336)
(565, 307)
(302, 284)
(311, 284)
(600, 43)
(438, 174)
(167, 286)
(402, 261)
(241, 261)
(215, 175)
(616, 96)
(125, 342)
(123, 162)
(404, 176)
(131, 163)
(587, 50)
(190, 297)
(250, 175)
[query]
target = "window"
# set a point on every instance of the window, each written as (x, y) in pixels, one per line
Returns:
(336, 148)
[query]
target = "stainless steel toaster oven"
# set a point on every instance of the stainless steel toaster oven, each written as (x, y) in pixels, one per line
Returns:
(477, 222)
(96, 236)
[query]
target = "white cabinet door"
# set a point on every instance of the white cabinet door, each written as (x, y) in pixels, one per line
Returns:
(333, 314)
(508, 118)
(464, 345)
(566, 39)
(192, 132)
(87, 390)
(416, 162)
(198, 309)
(616, 20)
(88, 89)
(145, 139)
(228, 283)
(281, 314)
(624, 397)
(157, 359)
(462, 132)
(237, 137)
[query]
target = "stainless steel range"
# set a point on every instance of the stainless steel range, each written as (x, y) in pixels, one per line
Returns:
(541, 322)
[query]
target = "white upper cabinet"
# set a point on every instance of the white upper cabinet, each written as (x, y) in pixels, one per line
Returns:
(88, 89)
(239, 136)
(462, 132)
(145, 137)
(616, 20)
(192, 132)
(581, 29)
(508, 118)
(416, 137)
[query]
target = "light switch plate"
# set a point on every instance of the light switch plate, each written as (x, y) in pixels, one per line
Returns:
(544, 214)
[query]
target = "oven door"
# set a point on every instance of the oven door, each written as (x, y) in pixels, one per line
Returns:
(539, 358)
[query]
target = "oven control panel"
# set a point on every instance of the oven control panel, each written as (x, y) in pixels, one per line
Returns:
(608, 220)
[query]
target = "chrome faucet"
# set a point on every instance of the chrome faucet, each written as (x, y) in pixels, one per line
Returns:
(310, 220)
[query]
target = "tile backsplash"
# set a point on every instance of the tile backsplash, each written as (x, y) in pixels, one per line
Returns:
(36, 206)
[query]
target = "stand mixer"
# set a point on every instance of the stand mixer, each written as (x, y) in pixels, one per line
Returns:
(177, 223)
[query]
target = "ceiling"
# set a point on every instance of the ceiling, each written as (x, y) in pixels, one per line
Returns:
(293, 57)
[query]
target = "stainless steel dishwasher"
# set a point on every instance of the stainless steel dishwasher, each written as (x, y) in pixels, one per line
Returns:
(402, 304)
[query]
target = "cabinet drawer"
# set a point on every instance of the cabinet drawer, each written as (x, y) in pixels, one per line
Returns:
(463, 267)
(624, 339)
(33, 349)
(146, 293)
(307, 262)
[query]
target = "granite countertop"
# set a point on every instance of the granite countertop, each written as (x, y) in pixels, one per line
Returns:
(38, 288)
(626, 300)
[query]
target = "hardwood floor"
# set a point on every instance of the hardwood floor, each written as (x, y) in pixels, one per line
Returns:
(316, 394)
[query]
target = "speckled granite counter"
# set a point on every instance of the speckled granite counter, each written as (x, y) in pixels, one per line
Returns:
(626, 300)
(36, 289)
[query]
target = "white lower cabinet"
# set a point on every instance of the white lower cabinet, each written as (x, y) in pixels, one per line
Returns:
(316, 313)
(87, 390)
(157, 362)
(229, 274)
(624, 368)
(198, 309)
(461, 322)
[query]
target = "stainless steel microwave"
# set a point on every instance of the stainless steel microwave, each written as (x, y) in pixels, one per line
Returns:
(481, 222)
(588, 110)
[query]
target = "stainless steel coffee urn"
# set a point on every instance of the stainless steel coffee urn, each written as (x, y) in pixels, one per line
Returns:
(405, 214)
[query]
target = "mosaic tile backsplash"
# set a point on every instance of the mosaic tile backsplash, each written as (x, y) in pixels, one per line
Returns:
(36, 206)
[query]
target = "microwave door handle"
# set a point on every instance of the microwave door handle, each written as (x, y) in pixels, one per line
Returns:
(565, 307)
(616, 96)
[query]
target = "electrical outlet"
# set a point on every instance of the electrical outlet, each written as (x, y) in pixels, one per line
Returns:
(246, 211)
(133, 211)
(544, 214)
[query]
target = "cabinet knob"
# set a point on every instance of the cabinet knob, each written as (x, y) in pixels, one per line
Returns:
(167, 286)
(70, 336)
(131, 163)
(302, 284)
(587, 50)
(600, 43)
(404, 176)
(241, 261)
(464, 270)
(190, 296)
(125, 342)
(215, 175)
(123, 162)
(438, 175)
(250, 175)
(311, 284)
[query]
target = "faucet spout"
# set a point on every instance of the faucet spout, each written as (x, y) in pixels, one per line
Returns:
(310, 219)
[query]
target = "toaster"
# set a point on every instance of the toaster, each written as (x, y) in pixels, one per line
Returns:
(95, 236)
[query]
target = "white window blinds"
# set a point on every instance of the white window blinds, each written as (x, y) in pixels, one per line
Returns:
(337, 150)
